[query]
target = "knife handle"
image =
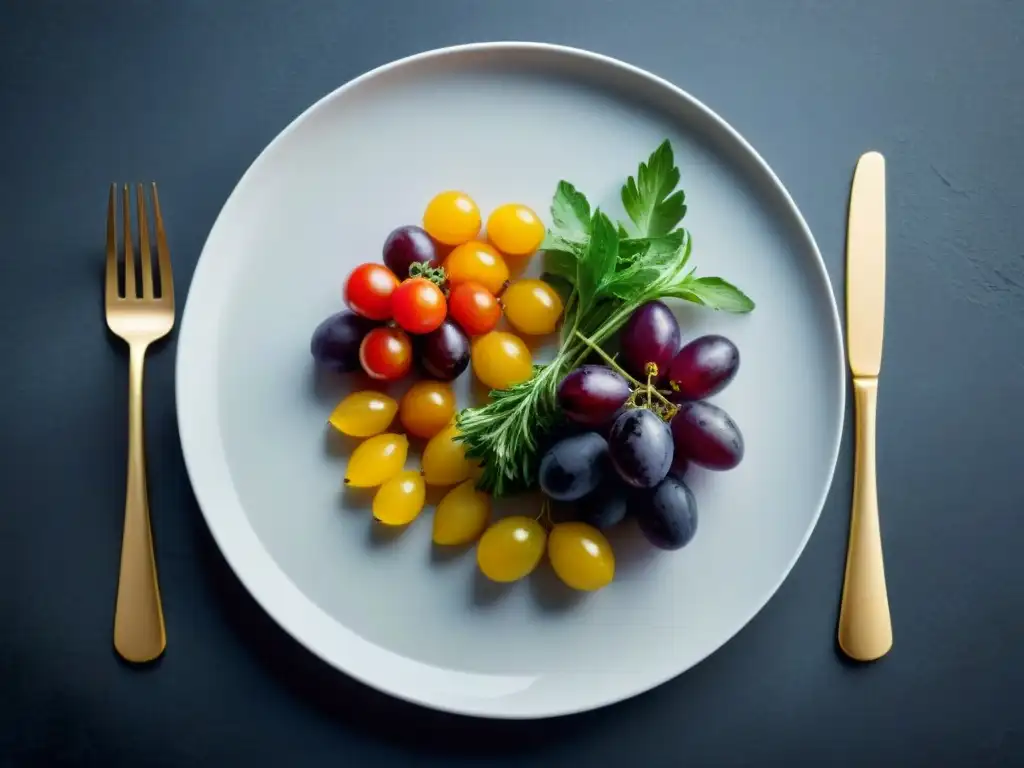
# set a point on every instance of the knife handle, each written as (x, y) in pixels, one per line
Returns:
(865, 629)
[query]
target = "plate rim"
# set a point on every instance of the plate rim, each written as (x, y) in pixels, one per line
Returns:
(191, 451)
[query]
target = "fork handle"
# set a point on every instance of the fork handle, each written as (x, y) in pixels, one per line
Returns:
(139, 634)
(865, 627)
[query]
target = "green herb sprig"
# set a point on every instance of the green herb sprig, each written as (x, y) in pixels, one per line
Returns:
(605, 271)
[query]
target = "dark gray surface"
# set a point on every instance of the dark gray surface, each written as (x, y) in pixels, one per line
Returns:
(189, 92)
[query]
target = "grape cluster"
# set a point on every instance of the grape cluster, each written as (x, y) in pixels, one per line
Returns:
(644, 423)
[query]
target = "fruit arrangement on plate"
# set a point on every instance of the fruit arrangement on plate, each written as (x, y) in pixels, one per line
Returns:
(605, 437)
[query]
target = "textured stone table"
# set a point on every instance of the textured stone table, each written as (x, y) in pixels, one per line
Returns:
(189, 92)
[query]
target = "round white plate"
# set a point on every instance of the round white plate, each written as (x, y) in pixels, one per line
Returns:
(504, 122)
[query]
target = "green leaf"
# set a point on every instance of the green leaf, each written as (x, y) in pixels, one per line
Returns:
(561, 263)
(555, 241)
(570, 213)
(713, 292)
(651, 250)
(666, 250)
(653, 258)
(649, 198)
(631, 250)
(597, 267)
(632, 283)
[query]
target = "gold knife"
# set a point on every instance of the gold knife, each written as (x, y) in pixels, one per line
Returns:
(865, 628)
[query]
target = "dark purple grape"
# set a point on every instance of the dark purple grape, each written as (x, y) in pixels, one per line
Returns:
(649, 337)
(573, 467)
(667, 515)
(406, 246)
(444, 352)
(592, 394)
(606, 506)
(706, 435)
(702, 368)
(335, 342)
(605, 430)
(679, 465)
(640, 446)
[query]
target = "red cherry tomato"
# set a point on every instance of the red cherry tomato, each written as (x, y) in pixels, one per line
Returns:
(474, 308)
(368, 291)
(418, 305)
(386, 353)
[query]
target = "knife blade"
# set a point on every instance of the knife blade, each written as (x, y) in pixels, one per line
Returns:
(865, 266)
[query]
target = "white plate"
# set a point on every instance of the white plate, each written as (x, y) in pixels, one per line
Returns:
(504, 122)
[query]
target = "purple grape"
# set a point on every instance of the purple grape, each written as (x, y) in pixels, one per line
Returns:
(640, 446)
(706, 435)
(573, 467)
(680, 464)
(444, 352)
(702, 368)
(592, 394)
(649, 337)
(406, 246)
(606, 506)
(335, 342)
(667, 516)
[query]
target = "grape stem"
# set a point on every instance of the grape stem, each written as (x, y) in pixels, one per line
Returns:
(651, 391)
(545, 514)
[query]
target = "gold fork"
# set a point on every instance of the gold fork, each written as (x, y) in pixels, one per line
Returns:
(140, 317)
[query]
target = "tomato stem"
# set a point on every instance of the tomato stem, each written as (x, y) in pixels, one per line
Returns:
(436, 275)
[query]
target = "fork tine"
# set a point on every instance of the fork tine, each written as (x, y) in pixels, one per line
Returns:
(145, 256)
(163, 253)
(129, 256)
(111, 281)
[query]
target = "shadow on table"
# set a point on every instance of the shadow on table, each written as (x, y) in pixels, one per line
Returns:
(357, 706)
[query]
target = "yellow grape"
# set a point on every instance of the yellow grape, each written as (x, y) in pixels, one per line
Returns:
(532, 306)
(375, 460)
(363, 414)
(511, 548)
(515, 229)
(427, 407)
(444, 459)
(400, 500)
(581, 556)
(462, 515)
(452, 218)
(501, 359)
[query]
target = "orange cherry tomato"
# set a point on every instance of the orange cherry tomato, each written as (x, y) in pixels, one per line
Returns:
(368, 291)
(418, 305)
(427, 408)
(386, 353)
(479, 263)
(474, 308)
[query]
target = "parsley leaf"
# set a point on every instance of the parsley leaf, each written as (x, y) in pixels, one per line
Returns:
(562, 262)
(655, 257)
(712, 292)
(597, 267)
(648, 198)
(570, 213)
(553, 241)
